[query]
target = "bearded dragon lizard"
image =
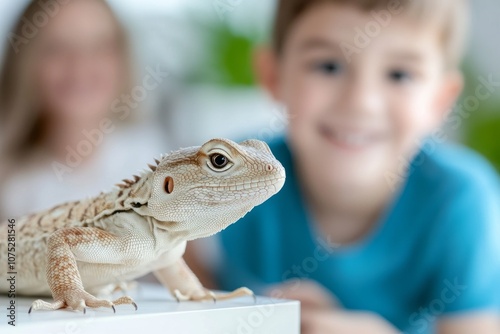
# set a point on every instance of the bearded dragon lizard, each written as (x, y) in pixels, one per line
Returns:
(78, 249)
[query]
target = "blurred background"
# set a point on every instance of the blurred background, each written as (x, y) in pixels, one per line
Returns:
(203, 49)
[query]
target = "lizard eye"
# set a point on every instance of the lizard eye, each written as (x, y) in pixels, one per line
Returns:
(219, 162)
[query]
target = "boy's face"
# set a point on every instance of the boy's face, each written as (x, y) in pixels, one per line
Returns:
(354, 118)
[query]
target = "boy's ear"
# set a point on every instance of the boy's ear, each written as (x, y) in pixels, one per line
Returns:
(450, 90)
(266, 69)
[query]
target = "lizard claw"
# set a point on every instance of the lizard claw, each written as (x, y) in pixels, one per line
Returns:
(214, 297)
(80, 300)
(43, 305)
(241, 292)
(124, 300)
(179, 295)
(209, 295)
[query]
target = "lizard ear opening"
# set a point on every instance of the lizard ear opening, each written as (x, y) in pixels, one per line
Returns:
(169, 184)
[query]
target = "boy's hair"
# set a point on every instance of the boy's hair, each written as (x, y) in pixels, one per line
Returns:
(449, 16)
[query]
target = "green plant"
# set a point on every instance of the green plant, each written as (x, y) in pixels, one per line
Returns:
(227, 59)
(483, 135)
(482, 129)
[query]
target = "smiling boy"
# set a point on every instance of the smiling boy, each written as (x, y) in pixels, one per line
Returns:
(366, 84)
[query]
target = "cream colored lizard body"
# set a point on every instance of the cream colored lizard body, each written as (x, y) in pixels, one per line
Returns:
(78, 249)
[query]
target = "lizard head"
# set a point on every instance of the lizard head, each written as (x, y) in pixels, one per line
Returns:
(202, 190)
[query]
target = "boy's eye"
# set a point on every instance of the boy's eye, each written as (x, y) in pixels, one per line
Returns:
(328, 67)
(399, 76)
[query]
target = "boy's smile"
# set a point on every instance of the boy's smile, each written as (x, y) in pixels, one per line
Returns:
(357, 108)
(350, 139)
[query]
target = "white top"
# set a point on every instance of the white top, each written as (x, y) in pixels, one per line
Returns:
(158, 312)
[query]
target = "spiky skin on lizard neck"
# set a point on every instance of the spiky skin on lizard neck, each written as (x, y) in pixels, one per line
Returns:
(141, 226)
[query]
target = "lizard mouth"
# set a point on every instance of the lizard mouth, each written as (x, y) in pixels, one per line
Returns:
(247, 187)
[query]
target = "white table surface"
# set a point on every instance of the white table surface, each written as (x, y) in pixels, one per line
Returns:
(159, 313)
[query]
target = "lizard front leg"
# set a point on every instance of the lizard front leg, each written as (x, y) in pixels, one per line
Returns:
(184, 285)
(64, 248)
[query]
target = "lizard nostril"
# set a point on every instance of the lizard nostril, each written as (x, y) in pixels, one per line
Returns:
(269, 167)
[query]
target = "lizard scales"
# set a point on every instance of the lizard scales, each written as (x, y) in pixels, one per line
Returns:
(80, 249)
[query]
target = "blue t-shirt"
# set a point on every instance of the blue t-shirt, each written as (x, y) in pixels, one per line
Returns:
(435, 251)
